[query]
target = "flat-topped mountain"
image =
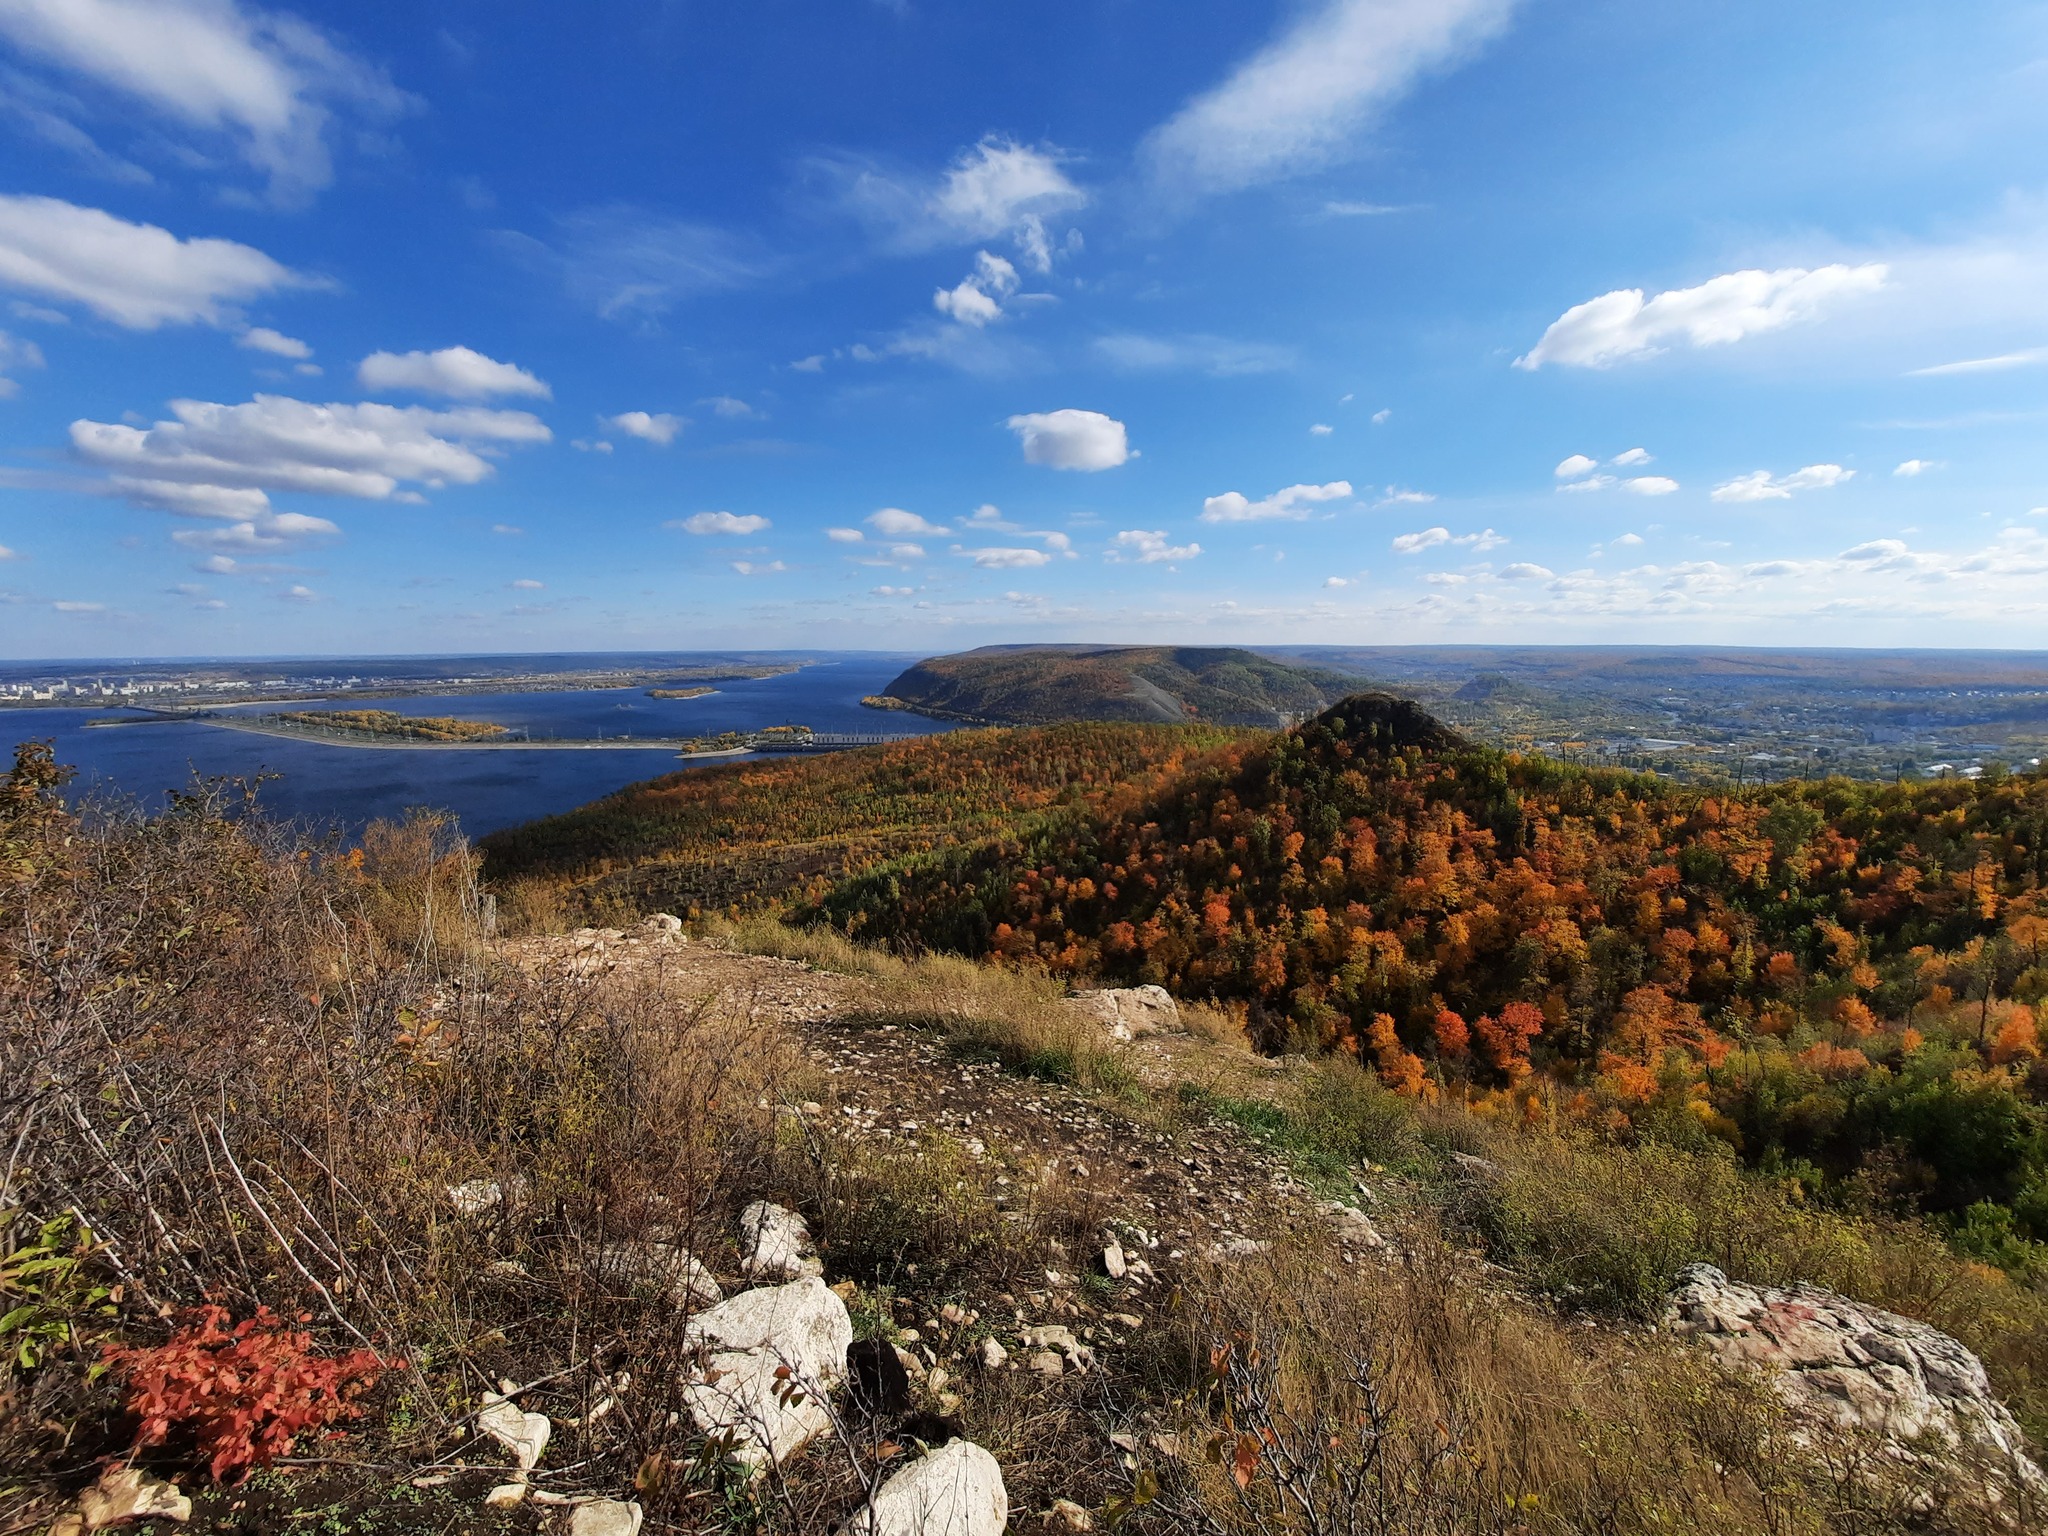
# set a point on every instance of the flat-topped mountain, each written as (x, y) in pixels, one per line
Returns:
(1041, 684)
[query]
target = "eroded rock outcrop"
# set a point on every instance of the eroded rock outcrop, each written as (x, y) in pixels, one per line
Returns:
(1858, 1370)
(1130, 1013)
(774, 1242)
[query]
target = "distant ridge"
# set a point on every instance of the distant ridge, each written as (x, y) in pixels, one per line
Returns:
(1041, 685)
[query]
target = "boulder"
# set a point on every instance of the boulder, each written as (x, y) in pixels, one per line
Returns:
(1353, 1227)
(1848, 1368)
(662, 1269)
(773, 1242)
(957, 1490)
(771, 1355)
(605, 1517)
(661, 924)
(1130, 1013)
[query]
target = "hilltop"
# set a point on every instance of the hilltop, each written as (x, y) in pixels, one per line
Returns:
(1041, 684)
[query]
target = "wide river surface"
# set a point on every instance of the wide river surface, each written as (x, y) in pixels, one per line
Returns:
(350, 786)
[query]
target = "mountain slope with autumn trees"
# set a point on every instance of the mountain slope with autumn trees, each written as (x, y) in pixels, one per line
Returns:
(1838, 980)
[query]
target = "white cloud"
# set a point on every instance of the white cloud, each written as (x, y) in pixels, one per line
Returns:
(1302, 100)
(1336, 581)
(1416, 543)
(590, 445)
(656, 427)
(1321, 429)
(458, 372)
(1522, 570)
(1344, 210)
(1622, 325)
(815, 363)
(1650, 485)
(1006, 559)
(987, 515)
(16, 352)
(507, 530)
(1292, 503)
(1217, 356)
(527, 584)
(1913, 467)
(1070, 439)
(625, 263)
(1998, 364)
(1142, 548)
(1400, 498)
(1381, 418)
(279, 444)
(66, 606)
(266, 81)
(1590, 483)
(755, 568)
(1628, 540)
(845, 535)
(1430, 538)
(1577, 464)
(720, 523)
(1630, 457)
(261, 338)
(1761, 485)
(978, 298)
(300, 594)
(258, 535)
(895, 523)
(135, 275)
(730, 408)
(997, 189)
(892, 591)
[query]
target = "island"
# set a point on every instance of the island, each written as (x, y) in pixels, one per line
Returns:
(680, 693)
(385, 722)
(1042, 684)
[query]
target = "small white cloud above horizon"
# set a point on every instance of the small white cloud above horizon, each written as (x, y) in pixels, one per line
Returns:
(261, 338)
(656, 427)
(720, 524)
(1761, 485)
(461, 373)
(1916, 467)
(1139, 547)
(1072, 439)
(1292, 503)
(895, 523)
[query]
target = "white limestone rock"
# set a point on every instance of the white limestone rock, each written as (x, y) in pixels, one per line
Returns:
(664, 1269)
(771, 1354)
(1131, 1013)
(524, 1435)
(605, 1517)
(773, 1243)
(957, 1490)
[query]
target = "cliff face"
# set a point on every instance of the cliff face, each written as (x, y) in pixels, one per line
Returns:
(1037, 685)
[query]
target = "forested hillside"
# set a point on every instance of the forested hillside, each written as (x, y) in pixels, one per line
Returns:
(1042, 684)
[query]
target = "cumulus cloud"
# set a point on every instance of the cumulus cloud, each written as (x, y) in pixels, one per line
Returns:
(978, 298)
(1320, 429)
(730, 408)
(895, 523)
(1336, 581)
(721, 523)
(1523, 570)
(845, 535)
(1006, 559)
(1139, 547)
(136, 275)
(1430, 538)
(1590, 483)
(1577, 464)
(1292, 503)
(261, 338)
(527, 584)
(274, 443)
(656, 427)
(1396, 497)
(1070, 439)
(1303, 99)
(1650, 485)
(257, 535)
(457, 372)
(1761, 485)
(1628, 540)
(1623, 325)
(758, 568)
(1628, 458)
(1915, 467)
(268, 83)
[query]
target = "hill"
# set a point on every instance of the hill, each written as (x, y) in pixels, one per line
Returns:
(1037, 685)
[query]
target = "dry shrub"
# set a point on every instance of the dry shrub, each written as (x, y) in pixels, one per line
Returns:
(1408, 1399)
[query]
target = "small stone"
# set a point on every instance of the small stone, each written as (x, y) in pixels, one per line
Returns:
(605, 1517)
(1113, 1260)
(1072, 1516)
(475, 1196)
(525, 1435)
(993, 1355)
(505, 1495)
(129, 1493)
(1049, 1362)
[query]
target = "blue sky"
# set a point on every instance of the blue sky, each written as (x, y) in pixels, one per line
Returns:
(442, 326)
